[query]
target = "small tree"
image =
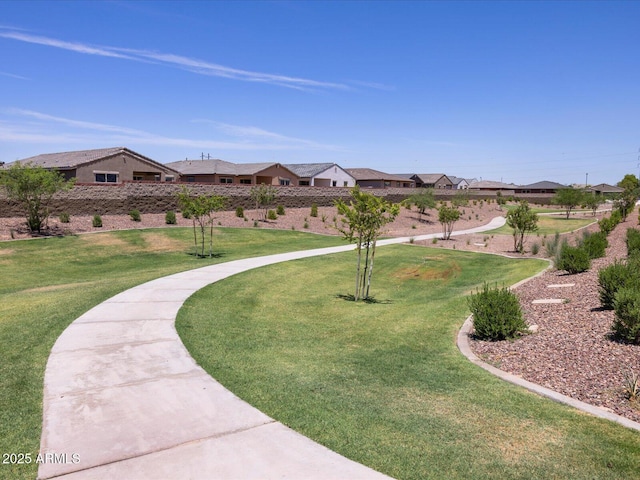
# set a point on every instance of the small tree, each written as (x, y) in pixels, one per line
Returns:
(363, 220)
(627, 199)
(523, 221)
(423, 200)
(448, 216)
(568, 198)
(33, 187)
(201, 210)
(264, 196)
(592, 202)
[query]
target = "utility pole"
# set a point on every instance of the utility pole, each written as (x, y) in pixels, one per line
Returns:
(586, 180)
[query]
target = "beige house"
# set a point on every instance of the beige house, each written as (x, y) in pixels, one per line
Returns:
(437, 181)
(222, 172)
(370, 178)
(104, 165)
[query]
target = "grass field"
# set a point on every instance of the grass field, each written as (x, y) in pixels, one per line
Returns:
(383, 383)
(550, 225)
(47, 283)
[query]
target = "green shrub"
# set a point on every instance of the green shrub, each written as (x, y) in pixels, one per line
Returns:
(135, 215)
(535, 248)
(280, 210)
(170, 218)
(239, 212)
(595, 244)
(272, 215)
(554, 246)
(626, 325)
(64, 217)
(186, 214)
(306, 225)
(606, 225)
(314, 210)
(573, 260)
(496, 314)
(633, 241)
(97, 221)
(615, 277)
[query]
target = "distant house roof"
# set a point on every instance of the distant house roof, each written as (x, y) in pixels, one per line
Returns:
(544, 185)
(71, 160)
(371, 174)
(605, 188)
(308, 170)
(491, 185)
(219, 167)
(430, 178)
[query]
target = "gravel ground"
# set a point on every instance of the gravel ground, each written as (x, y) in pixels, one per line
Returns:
(571, 352)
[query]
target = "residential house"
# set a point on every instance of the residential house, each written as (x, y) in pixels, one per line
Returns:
(460, 183)
(321, 174)
(540, 187)
(223, 172)
(369, 178)
(104, 165)
(493, 186)
(605, 189)
(436, 181)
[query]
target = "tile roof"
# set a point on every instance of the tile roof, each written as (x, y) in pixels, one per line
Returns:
(70, 160)
(219, 167)
(544, 185)
(492, 184)
(430, 177)
(308, 170)
(371, 174)
(606, 188)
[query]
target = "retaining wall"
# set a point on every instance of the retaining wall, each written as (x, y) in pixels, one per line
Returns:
(160, 197)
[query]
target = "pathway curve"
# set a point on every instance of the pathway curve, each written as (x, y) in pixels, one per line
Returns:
(124, 399)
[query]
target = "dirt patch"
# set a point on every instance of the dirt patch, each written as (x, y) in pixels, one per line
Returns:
(7, 251)
(105, 241)
(427, 272)
(53, 288)
(157, 242)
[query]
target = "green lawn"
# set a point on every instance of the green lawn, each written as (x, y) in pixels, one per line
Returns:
(550, 225)
(47, 283)
(383, 383)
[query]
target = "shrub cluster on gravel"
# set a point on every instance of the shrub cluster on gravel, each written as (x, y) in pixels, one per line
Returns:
(496, 314)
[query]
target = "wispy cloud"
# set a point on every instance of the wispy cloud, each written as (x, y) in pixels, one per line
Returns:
(194, 65)
(44, 128)
(12, 75)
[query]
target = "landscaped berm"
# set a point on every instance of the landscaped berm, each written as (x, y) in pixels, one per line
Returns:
(380, 382)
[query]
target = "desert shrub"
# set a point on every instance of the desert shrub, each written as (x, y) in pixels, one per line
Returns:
(554, 245)
(616, 276)
(97, 221)
(239, 212)
(535, 248)
(595, 244)
(606, 225)
(306, 225)
(626, 325)
(616, 216)
(573, 260)
(496, 313)
(280, 210)
(64, 217)
(135, 215)
(272, 215)
(314, 210)
(186, 214)
(170, 218)
(633, 241)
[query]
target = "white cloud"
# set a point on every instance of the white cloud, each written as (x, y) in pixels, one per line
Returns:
(193, 65)
(11, 75)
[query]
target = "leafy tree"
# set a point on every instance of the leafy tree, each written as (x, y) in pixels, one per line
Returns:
(447, 216)
(461, 198)
(364, 217)
(568, 198)
(592, 202)
(627, 199)
(522, 220)
(423, 200)
(264, 196)
(33, 187)
(201, 209)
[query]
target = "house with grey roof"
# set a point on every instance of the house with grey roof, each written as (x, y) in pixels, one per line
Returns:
(105, 165)
(493, 186)
(321, 174)
(432, 180)
(223, 172)
(460, 183)
(540, 187)
(370, 178)
(605, 189)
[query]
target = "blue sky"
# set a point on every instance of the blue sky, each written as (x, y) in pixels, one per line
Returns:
(512, 91)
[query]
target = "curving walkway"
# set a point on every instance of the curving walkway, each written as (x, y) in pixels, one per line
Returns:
(124, 399)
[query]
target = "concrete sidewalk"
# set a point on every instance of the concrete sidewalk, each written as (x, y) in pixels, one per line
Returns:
(123, 398)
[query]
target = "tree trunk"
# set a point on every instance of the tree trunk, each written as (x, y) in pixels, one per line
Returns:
(373, 254)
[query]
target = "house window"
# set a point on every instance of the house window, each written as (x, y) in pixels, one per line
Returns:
(104, 177)
(138, 178)
(157, 178)
(226, 180)
(285, 181)
(191, 179)
(169, 178)
(304, 183)
(334, 183)
(245, 181)
(345, 183)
